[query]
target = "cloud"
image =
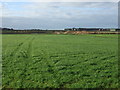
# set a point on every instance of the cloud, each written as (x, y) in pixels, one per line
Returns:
(59, 0)
(57, 15)
(58, 9)
(55, 23)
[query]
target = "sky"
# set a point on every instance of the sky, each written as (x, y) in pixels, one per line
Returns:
(59, 15)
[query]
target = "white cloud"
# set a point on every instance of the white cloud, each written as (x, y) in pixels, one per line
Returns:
(59, 14)
(0, 14)
(67, 9)
(59, 0)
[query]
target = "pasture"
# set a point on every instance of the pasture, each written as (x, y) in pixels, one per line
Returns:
(59, 61)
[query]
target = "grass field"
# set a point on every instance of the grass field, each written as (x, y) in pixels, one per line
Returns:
(60, 61)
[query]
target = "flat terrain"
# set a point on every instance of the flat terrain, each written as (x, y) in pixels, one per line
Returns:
(60, 61)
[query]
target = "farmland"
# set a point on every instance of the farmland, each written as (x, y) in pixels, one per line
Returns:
(59, 61)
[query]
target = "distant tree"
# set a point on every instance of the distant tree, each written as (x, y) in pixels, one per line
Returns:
(7, 29)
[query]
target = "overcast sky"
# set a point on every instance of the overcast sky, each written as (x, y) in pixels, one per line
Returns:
(59, 15)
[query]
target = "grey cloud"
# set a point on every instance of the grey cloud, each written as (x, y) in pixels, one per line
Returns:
(60, 23)
(52, 16)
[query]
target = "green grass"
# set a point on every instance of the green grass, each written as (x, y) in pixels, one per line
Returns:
(60, 61)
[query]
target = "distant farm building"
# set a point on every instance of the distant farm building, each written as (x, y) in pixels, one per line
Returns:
(86, 29)
(91, 29)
